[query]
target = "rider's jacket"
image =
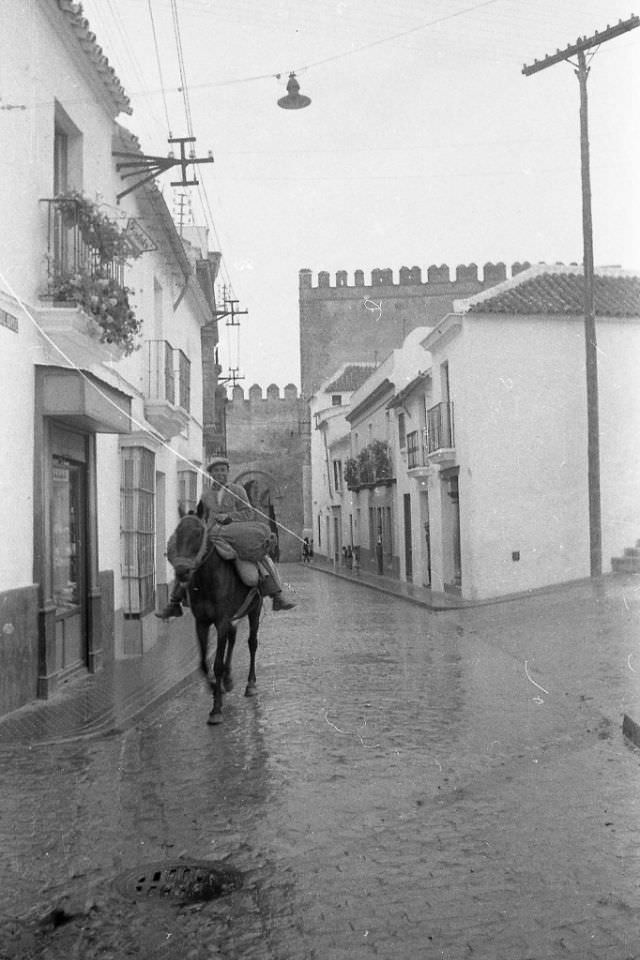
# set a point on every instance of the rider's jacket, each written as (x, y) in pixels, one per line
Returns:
(223, 504)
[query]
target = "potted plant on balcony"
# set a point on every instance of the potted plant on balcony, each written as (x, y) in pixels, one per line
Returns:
(351, 473)
(380, 459)
(93, 282)
(105, 302)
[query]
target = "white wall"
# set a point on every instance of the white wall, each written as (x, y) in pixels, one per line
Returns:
(619, 388)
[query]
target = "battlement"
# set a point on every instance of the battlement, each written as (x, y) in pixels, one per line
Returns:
(273, 393)
(492, 273)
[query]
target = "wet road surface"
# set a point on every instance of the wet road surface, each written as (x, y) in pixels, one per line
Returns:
(406, 785)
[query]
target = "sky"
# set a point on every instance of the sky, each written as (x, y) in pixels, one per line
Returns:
(424, 143)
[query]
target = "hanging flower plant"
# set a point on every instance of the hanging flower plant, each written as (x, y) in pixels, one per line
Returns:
(105, 301)
(96, 229)
(94, 287)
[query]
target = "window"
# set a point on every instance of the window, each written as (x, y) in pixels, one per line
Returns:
(184, 381)
(137, 524)
(336, 399)
(402, 431)
(337, 475)
(413, 450)
(187, 490)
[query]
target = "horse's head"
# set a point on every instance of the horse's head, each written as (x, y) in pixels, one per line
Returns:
(186, 546)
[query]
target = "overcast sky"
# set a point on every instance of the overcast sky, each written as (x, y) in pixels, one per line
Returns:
(424, 143)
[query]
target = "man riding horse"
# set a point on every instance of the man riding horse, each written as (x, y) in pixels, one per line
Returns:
(223, 504)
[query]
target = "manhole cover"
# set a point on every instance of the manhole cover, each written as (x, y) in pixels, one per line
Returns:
(178, 880)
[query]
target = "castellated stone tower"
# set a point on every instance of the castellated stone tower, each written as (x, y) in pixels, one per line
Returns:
(267, 440)
(366, 322)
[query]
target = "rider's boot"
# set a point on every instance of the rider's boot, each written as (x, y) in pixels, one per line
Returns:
(281, 603)
(174, 606)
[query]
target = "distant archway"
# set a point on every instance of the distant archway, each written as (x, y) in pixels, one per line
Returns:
(263, 492)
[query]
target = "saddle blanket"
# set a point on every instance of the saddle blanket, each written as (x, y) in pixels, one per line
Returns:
(241, 539)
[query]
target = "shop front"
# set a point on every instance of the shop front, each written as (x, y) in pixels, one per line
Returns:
(71, 408)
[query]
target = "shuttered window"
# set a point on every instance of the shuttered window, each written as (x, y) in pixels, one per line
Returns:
(137, 525)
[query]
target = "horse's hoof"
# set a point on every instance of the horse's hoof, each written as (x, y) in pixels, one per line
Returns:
(228, 684)
(251, 690)
(214, 719)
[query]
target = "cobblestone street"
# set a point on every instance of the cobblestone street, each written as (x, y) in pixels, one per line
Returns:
(448, 785)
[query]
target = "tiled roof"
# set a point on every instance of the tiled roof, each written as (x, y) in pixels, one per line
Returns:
(561, 293)
(93, 52)
(351, 378)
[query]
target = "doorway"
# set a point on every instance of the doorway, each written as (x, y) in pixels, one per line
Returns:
(69, 558)
(408, 546)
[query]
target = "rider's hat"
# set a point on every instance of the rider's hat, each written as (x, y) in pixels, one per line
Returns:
(216, 461)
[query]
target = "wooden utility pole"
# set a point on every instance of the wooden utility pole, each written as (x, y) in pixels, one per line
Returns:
(593, 429)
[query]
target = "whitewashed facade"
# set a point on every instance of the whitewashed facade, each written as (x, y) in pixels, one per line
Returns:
(101, 447)
(509, 498)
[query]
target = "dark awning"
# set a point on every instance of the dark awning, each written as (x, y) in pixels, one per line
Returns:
(84, 401)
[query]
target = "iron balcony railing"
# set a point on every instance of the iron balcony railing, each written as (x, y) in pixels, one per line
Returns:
(168, 374)
(415, 450)
(440, 435)
(70, 252)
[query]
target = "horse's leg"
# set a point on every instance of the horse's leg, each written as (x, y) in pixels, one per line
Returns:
(254, 623)
(202, 633)
(227, 679)
(215, 716)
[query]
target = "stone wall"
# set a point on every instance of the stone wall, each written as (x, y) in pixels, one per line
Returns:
(267, 442)
(367, 321)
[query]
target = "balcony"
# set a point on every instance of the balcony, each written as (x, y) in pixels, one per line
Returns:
(418, 464)
(440, 434)
(167, 379)
(88, 316)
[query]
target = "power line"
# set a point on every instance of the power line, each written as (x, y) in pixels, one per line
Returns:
(159, 65)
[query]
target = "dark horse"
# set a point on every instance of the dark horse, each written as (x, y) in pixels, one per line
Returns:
(216, 595)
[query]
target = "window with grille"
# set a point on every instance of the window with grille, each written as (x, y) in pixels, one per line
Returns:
(187, 490)
(337, 475)
(137, 530)
(402, 431)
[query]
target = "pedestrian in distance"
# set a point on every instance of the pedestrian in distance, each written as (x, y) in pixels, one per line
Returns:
(306, 550)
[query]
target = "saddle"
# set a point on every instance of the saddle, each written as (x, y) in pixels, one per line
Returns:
(243, 542)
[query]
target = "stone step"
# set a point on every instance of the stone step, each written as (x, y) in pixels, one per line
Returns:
(625, 564)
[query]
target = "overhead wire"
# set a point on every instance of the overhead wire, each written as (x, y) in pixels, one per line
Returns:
(159, 65)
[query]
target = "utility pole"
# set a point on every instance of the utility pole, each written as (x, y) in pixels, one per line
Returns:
(577, 49)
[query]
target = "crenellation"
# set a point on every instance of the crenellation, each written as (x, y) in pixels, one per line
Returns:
(382, 277)
(518, 267)
(259, 396)
(438, 274)
(467, 272)
(494, 272)
(411, 276)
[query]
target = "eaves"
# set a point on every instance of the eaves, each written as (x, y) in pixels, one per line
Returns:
(379, 395)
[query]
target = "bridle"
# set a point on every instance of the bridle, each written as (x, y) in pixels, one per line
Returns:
(192, 564)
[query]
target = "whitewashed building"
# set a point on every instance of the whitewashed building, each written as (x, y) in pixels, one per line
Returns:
(507, 432)
(102, 440)
(333, 519)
